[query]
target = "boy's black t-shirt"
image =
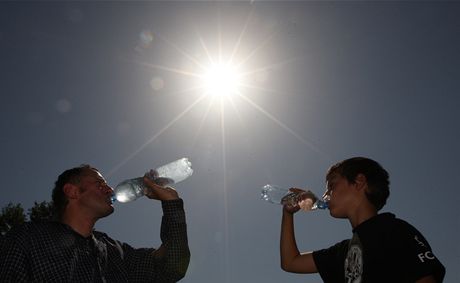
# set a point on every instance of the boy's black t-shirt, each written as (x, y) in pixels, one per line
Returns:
(382, 249)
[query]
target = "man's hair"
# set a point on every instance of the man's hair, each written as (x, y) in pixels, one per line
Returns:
(377, 177)
(72, 176)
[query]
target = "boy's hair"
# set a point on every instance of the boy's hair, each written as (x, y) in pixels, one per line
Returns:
(377, 177)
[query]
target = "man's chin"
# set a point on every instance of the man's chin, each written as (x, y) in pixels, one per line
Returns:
(109, 211)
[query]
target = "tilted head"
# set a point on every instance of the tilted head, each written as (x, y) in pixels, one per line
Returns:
(72, 176)
(376, 176)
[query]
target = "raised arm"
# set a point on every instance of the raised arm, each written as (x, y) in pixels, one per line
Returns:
(174, 252)
(291, 259)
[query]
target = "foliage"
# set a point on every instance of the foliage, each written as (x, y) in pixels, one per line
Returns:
(40, 211)
(13, 215)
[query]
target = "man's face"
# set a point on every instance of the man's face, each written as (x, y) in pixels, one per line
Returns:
(95, 195)
(341, 195)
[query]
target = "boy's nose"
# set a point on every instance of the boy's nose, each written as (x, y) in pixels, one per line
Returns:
(326, 197)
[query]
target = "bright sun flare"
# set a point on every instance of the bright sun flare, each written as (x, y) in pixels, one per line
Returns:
(221, 80)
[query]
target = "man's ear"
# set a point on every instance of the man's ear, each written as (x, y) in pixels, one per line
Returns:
(361, 181)
(71, 191)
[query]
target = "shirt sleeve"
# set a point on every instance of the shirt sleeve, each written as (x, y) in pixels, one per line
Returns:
(144, 265)
(174, 239)
(419, 257)
(330, 262)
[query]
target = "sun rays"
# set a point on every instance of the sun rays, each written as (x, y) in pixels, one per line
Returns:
(221, 79)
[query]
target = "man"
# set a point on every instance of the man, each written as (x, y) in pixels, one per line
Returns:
(383, 248)
(69, 250)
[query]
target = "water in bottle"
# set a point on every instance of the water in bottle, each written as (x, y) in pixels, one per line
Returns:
(306, 200)
(165, 175)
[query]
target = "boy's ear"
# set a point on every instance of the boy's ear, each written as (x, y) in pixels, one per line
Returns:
(71, 191)
(361, 181)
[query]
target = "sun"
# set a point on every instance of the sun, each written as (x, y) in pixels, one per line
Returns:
(226, 73)
(221, 80)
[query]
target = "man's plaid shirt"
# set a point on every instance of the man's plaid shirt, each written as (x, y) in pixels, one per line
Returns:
(53, 252)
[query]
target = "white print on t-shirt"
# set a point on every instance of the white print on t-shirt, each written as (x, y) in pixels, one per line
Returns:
(418, 241)
(354, 264)
(426, 255)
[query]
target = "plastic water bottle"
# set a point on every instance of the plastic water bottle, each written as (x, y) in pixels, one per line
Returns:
(305, 199)
(171, 173)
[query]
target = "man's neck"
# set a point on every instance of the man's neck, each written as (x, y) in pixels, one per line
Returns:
(80, 224)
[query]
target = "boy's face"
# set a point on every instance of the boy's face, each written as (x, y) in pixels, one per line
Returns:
(341, 195)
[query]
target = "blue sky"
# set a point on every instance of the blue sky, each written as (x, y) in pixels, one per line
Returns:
(117, 85)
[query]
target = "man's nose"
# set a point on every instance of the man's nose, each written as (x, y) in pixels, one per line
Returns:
(108, 189)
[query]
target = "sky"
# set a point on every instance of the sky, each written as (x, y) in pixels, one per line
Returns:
(121, 85)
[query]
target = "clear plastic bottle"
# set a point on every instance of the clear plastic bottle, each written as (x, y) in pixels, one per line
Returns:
(305, 199)
(171, 173)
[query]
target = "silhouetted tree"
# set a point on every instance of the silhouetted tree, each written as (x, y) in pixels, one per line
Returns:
(40, 211)
(13, 215)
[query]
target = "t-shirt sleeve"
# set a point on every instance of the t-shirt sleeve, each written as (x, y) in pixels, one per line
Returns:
(419, 259)
(330, 262)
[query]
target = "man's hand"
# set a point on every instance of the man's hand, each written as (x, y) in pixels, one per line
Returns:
(154, 191)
